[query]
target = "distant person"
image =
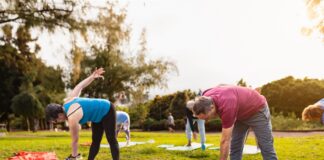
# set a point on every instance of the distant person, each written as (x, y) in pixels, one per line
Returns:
(123, 122)
(239, 109)
(190, 129)
(77, 110)
(171, 124)
(314, 112)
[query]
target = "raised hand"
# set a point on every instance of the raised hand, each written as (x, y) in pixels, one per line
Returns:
(97, 73)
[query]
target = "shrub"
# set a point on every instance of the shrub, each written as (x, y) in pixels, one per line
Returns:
(213, 125)
(291, 122)
(138, 115)
(152, 125)
(180, 124)
(3, 130)
(147, 124)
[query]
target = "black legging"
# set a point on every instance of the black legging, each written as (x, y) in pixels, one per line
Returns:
(107, 124)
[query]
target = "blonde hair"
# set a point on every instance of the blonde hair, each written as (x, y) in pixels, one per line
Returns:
(311, 113)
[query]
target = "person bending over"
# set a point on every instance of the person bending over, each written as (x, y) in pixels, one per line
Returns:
(77, 110)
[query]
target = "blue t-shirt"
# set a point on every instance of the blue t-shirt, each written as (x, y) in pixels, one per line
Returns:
(94, 109)
(122, 117)
(321, 104)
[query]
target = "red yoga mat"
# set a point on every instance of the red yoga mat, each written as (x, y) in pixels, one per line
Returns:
(34, 156)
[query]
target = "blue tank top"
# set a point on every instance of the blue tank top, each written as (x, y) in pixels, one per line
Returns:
(93, 109)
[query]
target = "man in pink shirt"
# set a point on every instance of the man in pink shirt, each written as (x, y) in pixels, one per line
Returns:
(239, 108)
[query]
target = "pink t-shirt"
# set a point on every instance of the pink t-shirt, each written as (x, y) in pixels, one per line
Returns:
(235, 103)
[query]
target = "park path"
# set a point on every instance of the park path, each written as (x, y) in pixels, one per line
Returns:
(294, 133)
(297, 133)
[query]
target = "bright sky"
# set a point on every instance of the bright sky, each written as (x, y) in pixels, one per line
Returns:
(214, 41)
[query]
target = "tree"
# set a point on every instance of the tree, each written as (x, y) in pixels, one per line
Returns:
(316, 16)
(138, 114)
(241, 82)
(13, 64)
(44, 14)
(290, 95)
(133, 74)
(179, 102)
(48, 87)
(159, 107)
(28, 106)
(124, 73)
(23, 69)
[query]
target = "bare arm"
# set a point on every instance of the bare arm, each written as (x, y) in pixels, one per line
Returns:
(225, 142)
(78, 88)
(73, 121)
(74, 130)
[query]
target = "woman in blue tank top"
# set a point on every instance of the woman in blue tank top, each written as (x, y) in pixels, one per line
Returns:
(78, 110)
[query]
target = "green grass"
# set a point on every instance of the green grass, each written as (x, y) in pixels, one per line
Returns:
(288, 148)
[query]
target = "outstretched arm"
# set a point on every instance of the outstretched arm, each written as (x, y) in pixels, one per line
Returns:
(78, 88)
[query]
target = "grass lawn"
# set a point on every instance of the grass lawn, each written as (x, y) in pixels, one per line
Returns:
(288, 148)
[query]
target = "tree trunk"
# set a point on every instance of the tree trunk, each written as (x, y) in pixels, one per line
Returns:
(41, 124)
(32, 124)
(45, 124)
(51, 126)
(8, 125)
(28, 125)
(35, 124)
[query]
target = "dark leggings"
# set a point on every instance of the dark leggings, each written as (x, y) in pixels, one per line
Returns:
(107, 124)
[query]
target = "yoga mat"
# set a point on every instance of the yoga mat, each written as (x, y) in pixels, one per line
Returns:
(34, 156)
(248, 149)
(124, 144)
(165, 146)
(185, 148)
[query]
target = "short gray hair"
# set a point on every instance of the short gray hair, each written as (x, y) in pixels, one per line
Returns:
(202, 105)
(190, 104)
